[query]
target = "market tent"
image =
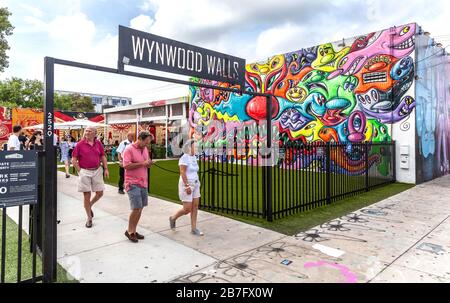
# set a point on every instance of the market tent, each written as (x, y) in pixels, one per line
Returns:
(75, 124)
(78, 124)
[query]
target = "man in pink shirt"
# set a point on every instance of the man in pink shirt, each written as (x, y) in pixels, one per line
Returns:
(136, 161)
(86, 158)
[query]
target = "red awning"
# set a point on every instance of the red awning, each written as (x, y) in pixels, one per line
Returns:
(62, 117)
(97, 119)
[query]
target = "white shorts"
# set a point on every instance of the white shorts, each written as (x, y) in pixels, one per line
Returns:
(195, 190)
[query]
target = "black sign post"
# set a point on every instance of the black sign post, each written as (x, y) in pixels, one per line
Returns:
(49, 245)
(18, 178)
(150, 51)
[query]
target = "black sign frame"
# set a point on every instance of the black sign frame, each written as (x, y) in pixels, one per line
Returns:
(145, 50)
(19, 171)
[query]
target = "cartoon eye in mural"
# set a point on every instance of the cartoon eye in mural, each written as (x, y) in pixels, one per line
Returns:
(361, 99)
(320, 99)
(356, 126)
(408, 100)
(308, 76)
(303, 61)
(374, 94)
(402, 68)
(321, 51)
(405, 30)
(275, 62)
(342, 62)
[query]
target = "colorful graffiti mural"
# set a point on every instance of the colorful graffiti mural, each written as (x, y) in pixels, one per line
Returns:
(433, 110)
(328, 93)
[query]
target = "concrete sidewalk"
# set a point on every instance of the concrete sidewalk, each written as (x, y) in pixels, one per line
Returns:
(402, 239)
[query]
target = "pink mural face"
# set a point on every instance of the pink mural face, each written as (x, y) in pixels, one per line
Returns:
(361, 42)
(402, 45)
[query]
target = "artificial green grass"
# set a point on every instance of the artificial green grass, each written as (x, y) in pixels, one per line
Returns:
(164, 185)
(27, 258)
(293, 224)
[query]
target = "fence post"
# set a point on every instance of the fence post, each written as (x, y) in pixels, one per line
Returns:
(394, 161)
(366, 159)
(212, 185)
(268, 168)
(328, 171)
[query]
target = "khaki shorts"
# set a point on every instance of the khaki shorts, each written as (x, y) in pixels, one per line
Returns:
(91, 180)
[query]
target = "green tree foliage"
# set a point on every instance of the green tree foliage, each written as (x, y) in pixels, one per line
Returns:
(6, 29)
(23, 93)
(16, 92)
(79, 103)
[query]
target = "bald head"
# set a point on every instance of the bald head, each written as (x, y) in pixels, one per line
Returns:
(90, 133)
(131, 136)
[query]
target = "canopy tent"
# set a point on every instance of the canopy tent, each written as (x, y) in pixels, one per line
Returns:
(75, 124)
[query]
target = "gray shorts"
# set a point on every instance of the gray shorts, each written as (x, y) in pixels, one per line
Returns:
(138, 197)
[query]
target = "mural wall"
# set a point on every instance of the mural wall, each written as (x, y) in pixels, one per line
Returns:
(433, 110)
(349, 93)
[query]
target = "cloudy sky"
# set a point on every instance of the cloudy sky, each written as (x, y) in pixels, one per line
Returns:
(86, 31)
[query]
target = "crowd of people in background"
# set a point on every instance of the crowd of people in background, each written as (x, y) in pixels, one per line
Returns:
(18, 140)
(89, 158)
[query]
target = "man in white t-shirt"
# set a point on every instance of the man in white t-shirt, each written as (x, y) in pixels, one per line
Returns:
(124, 144)
(13, 141)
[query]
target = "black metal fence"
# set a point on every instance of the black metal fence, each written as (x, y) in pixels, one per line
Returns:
(298, 178)
(20, 252)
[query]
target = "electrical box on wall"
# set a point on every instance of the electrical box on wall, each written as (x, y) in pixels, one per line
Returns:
(404, 157)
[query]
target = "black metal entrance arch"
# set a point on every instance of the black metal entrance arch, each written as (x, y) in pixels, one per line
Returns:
(49, 249)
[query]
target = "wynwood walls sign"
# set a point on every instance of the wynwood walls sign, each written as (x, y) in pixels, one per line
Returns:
(146, 50)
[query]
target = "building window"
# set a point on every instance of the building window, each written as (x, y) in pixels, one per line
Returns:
(124, 115)
(97, 100)
(177, 109)
(156, 111)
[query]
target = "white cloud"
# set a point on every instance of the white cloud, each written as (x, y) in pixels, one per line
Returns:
(147, 6)
(34, 11)
(142, 23)
(76, 29)
(278, 40)
(249, 29)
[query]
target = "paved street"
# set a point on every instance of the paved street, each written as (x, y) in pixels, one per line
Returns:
(404, 238)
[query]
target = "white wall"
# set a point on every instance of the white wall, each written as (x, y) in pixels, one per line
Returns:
(406, 138)
(404, 133)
